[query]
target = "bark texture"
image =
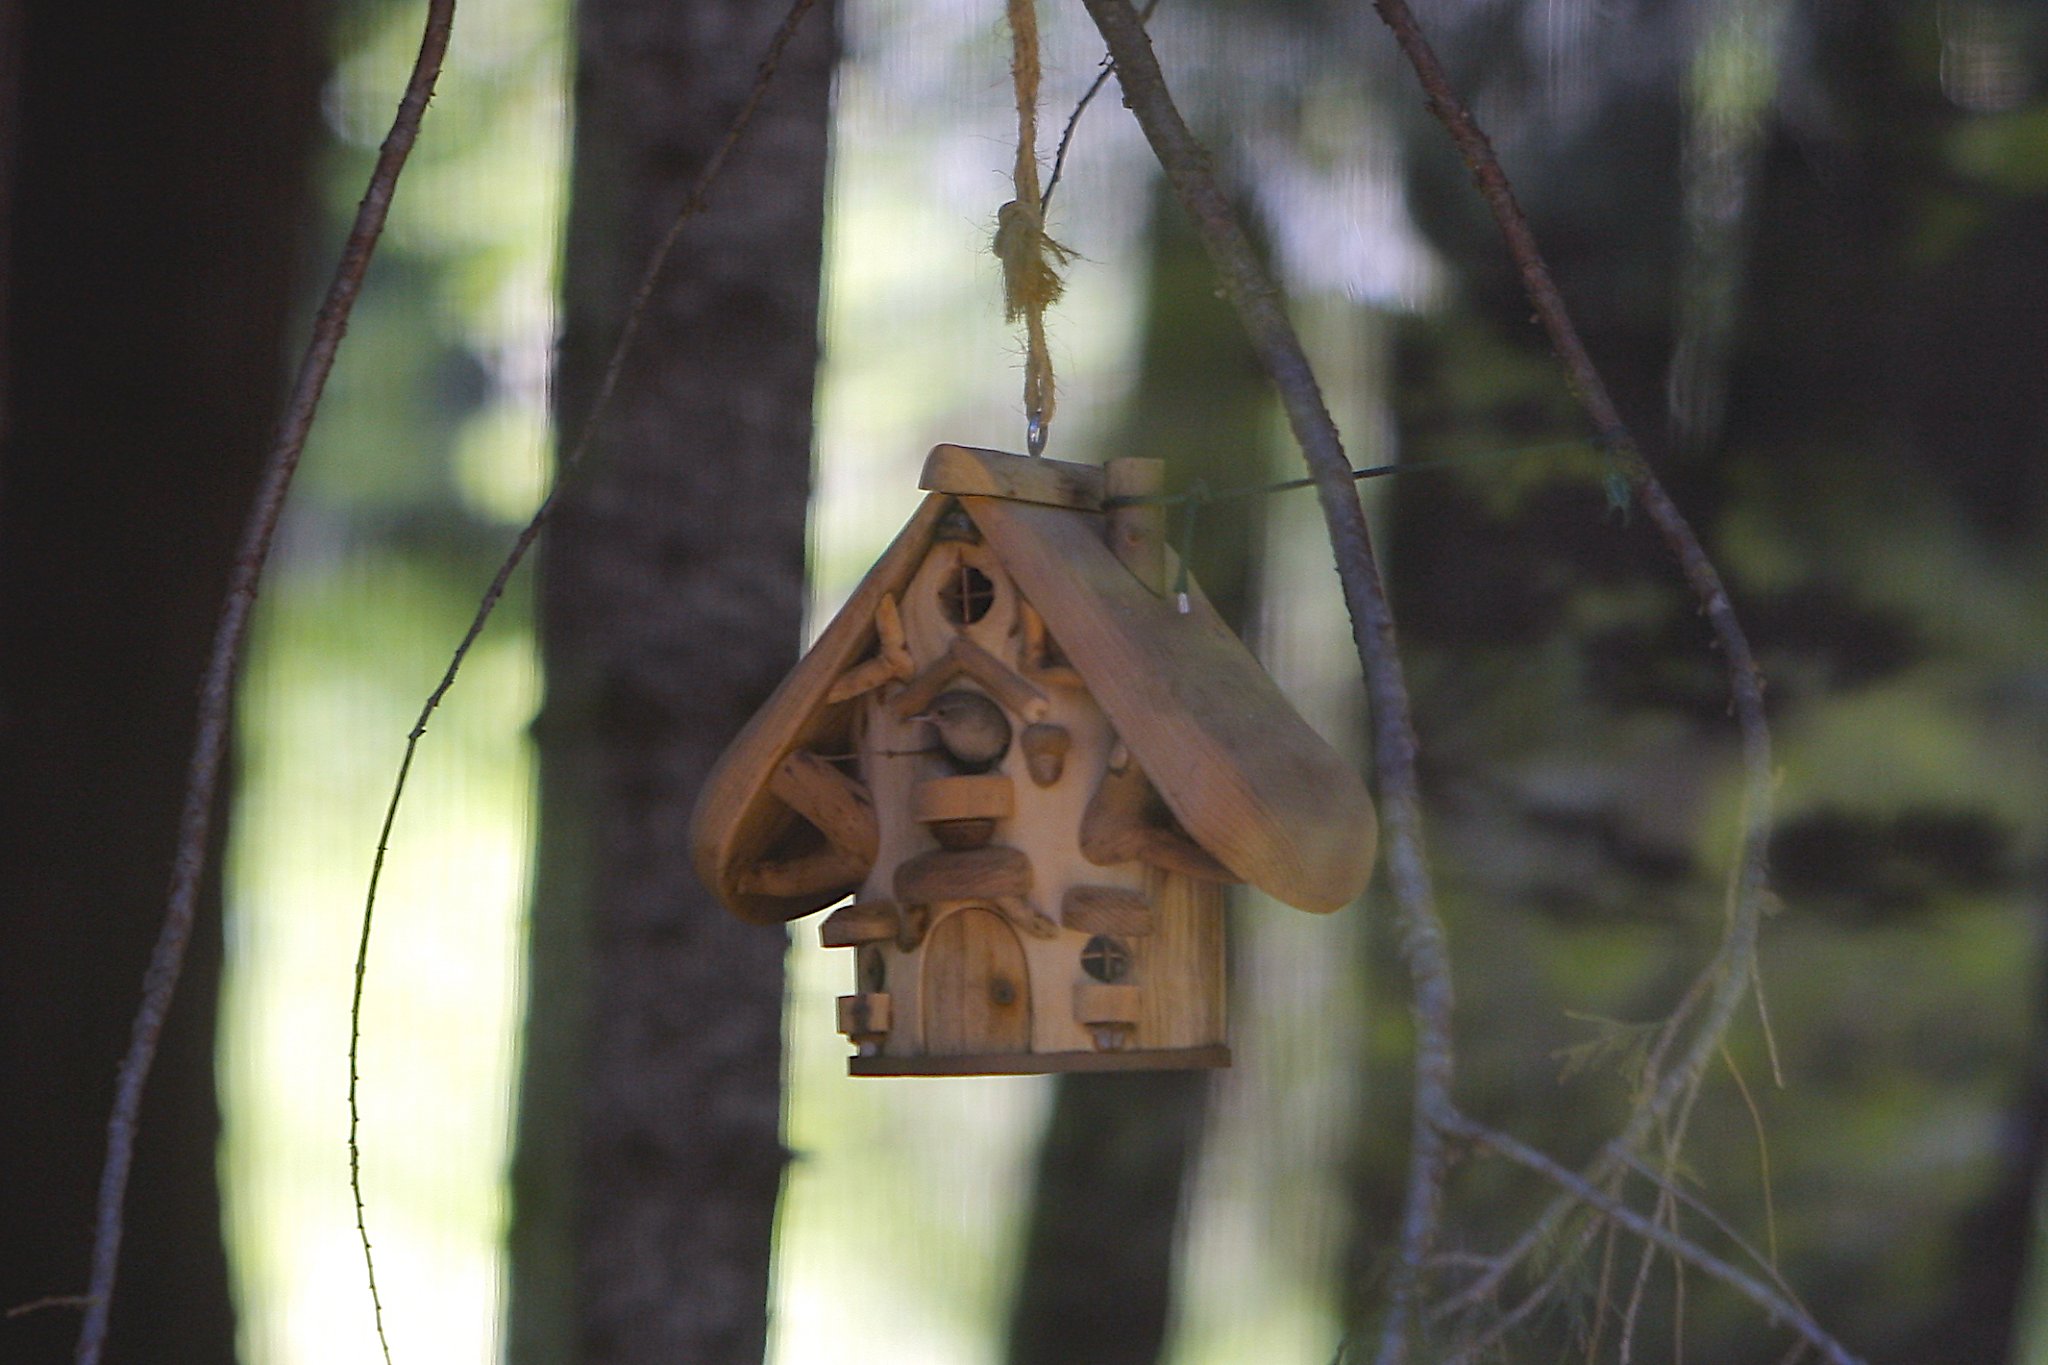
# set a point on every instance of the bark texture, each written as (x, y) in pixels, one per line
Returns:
(157, 171)
(649, 1150)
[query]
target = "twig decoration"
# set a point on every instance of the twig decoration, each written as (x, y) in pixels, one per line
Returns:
(217, 685)
(629, 331)
(1031, 259)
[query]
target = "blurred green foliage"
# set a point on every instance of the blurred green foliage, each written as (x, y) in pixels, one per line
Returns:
(1872, 483)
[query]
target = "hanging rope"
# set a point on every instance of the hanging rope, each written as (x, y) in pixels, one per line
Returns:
(1030, 259)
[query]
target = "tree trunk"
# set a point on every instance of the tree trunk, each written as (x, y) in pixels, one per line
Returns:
(649, 1154)
(151, 218)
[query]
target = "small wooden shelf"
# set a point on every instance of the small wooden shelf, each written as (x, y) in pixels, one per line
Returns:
(1033, 1063)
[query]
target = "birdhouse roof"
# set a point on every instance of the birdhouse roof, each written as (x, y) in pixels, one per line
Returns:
(1236, 764)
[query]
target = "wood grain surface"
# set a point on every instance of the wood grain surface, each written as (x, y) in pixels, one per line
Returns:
(1242, 772)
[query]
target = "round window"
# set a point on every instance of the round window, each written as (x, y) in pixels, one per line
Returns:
(966, 595)
(1103, 958)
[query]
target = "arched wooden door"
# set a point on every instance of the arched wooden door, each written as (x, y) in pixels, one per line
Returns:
(977, 990)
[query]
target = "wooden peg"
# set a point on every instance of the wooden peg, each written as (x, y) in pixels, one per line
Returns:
(1105, 910)
(1004, 683)
(1118, 827)
(925, 687)
(978, 874)
(865, 1019)
(1034, 650)
(891, 661)
(828, 869)
(837, 804)
(861, 679)
(1113, 827)
(895, 646)
(862, 922)
(1037, 653)
(916, 919)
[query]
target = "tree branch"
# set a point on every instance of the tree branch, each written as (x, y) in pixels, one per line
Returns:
(1725, 980)
(1779, 1306)
(217, 687)
(1258, 307)
(1723, 983)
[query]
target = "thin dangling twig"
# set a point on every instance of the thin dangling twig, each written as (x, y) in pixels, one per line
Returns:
(578, 449)
(1102, 75)
(1030, 258)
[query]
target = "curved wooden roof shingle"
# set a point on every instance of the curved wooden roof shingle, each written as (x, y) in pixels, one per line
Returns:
(737, 818)
(1232, 759)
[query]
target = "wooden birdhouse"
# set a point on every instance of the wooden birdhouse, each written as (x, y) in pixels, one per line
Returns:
(1035, 774)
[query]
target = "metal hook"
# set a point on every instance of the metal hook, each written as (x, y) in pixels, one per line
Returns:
(1036, 429)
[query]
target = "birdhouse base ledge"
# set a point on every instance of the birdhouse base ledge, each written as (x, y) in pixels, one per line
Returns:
(1037, 1063)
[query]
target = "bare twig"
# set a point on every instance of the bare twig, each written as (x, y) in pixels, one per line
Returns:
(1671, 1186)
(693, 204)
(1498, 1331)
(1730, 970)
(1601, 1304)
(1704, 1015)
(1601, 1171)
(217, 687)
(1725, 979)
(22, 1310)
(1258, 307)
(1763, 1148)
(1646, 1261)
(1059, 159)
(1780, 1308)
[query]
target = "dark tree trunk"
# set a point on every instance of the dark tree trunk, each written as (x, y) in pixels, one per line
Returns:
(1096, 1283)
(649, 1149)
(151, 222)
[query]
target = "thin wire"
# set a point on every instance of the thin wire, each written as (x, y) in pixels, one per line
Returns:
(1202, 493)
(1192, 500)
